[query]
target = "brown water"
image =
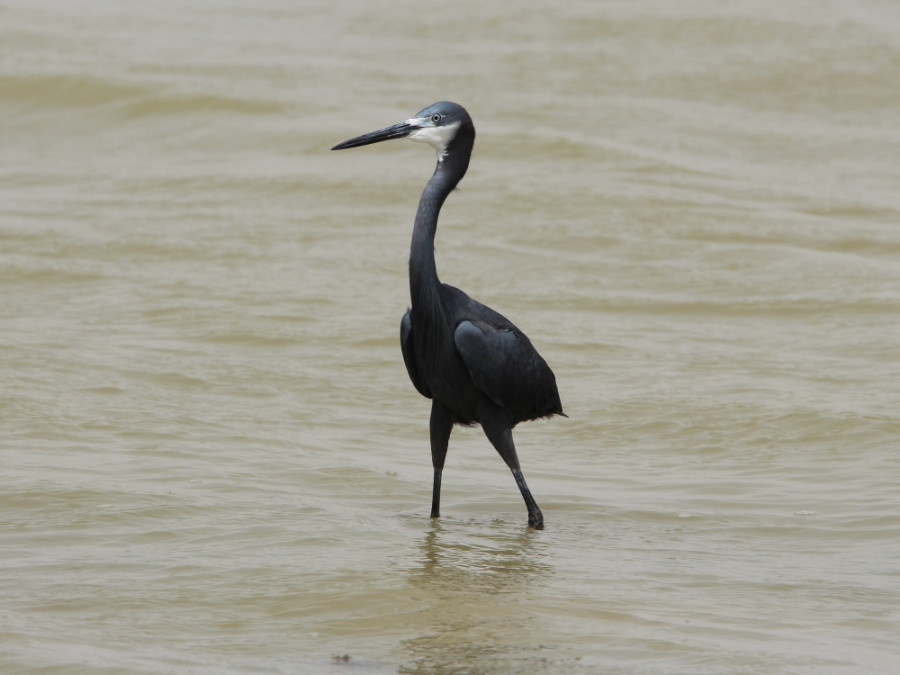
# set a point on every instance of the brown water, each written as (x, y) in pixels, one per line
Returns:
(212, 458)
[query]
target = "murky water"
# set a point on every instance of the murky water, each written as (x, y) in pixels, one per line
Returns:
(212, 458)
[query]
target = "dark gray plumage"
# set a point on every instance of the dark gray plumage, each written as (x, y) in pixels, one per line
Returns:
(472, 362)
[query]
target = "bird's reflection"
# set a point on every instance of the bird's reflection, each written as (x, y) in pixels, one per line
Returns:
(475, 583)
(492, 559)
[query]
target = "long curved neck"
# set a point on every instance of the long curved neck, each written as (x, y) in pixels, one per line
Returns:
(423, 278)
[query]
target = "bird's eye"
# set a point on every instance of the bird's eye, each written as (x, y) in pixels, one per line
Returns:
(436, 117)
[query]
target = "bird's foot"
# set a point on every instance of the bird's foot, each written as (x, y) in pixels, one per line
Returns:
(536, 521)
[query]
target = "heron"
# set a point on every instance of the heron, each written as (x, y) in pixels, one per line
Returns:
(473, 363)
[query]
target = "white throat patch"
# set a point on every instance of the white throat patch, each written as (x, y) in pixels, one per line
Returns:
(437, 137)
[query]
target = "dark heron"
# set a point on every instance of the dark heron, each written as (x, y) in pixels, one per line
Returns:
(473, 363)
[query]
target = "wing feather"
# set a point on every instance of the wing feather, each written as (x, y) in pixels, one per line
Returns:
(409, 356)
(506, 368)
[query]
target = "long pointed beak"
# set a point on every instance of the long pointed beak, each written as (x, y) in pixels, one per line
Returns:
(399, 130)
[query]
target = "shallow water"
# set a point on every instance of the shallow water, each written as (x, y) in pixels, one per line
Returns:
(213, 460)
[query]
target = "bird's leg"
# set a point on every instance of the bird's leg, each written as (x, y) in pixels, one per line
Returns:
(441, 425)
(501, 438)
(535, 517)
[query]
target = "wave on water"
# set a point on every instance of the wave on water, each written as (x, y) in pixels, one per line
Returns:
(78, 92)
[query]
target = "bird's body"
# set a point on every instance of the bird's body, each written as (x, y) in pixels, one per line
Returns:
(472, 362)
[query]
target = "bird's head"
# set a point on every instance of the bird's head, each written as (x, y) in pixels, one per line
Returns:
(439, 125)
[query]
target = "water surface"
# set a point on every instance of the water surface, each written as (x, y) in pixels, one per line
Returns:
(212, 458)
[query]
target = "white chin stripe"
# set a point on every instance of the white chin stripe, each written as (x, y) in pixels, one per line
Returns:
(437, 137)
